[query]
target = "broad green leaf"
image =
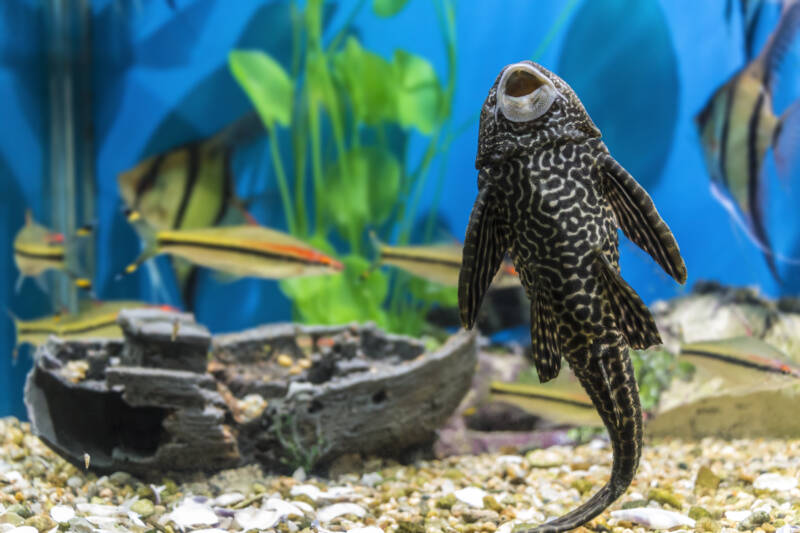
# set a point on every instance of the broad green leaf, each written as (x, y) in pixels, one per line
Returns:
(366, 192)
(356, 294)
(420, 99)
(369, 81)
(433, 293)
(388, 8)
(266, 83)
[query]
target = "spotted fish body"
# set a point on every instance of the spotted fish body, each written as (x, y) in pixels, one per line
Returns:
(552, 196)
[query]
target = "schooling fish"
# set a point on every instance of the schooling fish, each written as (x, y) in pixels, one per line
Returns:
(95, 319)
(571, 407)
(440, 263)
(551, 194)
(741, 361)
(737, 126)
(37, 249)
(246, 251)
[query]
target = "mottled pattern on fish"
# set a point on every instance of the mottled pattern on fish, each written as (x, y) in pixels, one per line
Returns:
(550, 193)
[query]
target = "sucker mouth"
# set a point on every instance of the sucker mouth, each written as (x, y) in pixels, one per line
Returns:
(524, 93)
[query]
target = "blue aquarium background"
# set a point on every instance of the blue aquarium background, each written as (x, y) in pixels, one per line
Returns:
(148, 76)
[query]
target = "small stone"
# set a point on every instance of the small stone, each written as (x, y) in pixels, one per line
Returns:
(753, 521)
(737, 516)
(285, 360)
(696, 512)
(634, 504)
(14, 436)
(582, 485)
(143, 507)
(75, 482)
(490, 502)
(446, 502)
(653, 518)
(368, 529)
(664, 497)
(406, 526)
(40, 522)
(472, 496)
(12, 518)
(707, 524)
(23, 529)
(21, 510)
(706, 480)
(62, 513)
(120, 479)
(774, 482)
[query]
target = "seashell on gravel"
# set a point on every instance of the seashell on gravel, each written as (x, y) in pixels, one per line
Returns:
(62, 513)
(190, 513)
(326, 514)
(472, 496)
(226, 500)
(653, 518)
(284, 509)
(774, 482)
(253, 518)
(312, 491)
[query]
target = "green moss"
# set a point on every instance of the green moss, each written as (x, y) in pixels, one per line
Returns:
(665, 497)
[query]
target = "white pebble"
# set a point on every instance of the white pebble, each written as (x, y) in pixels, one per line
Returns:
(12, 477)
(774, 482)
(190, 513)
(513, 459)
(737, 516)
(472, 496)
(371, 479)
(787, 529)
(284, 509)
(103, 521)
(653, 518)
(225, 500)
(326, 514)
(253, 518)
(62, 513)
(368, 529)
(309, 490)
(23, 529)
(299, 474)
(210, 530)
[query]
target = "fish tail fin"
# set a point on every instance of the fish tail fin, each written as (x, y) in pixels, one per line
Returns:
(148, 236)
(633, 318)
(610, 383)
(785, 141)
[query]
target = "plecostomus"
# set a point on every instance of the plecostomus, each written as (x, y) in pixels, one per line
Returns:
(551, 195)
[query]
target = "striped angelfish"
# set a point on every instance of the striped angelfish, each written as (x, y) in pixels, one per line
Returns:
(191, 186)
(738, 125)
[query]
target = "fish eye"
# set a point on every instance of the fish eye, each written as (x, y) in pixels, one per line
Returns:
(524, 94)
(522, 83)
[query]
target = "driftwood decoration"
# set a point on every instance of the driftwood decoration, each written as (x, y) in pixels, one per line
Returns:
(172, 398)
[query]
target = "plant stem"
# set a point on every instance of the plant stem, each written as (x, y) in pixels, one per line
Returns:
(280, 175)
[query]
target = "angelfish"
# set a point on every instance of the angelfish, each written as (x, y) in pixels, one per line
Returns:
(737, 125)
(550, 193)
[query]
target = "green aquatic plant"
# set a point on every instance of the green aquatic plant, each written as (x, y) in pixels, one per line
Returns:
(655, 369)
(349, 115)
(296, 452)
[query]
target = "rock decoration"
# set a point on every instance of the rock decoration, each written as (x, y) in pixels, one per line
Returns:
(172, 398)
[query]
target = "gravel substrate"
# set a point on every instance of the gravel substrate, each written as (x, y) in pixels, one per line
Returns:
(710, 485)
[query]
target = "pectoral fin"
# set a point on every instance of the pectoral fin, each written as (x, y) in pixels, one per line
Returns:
(544, 336)
(484, 248)
(633, 317)
(639, 220)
